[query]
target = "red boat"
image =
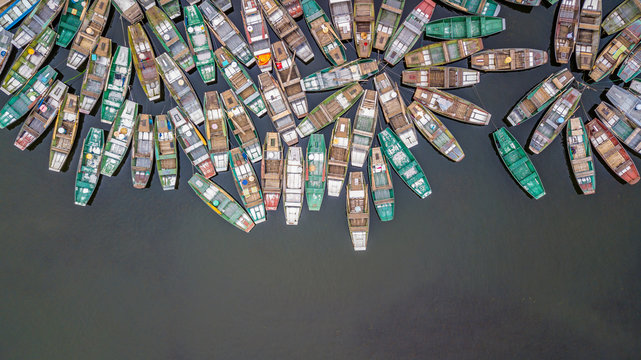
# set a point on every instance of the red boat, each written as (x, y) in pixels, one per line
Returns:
(611, 151)
(271, 170)
(293, 7)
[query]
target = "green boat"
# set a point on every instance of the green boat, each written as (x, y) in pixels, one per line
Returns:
(40, 18)
(389, 15)
(170, 7)
(461, 27)
(170, 38)
(335, 77)
(479, 7)
(238, 80)
(330, 109)
(119, 138)
(221, 202)
(72, 15)
(622, 16)
(117, 85)
(315, 172)
(381, 183)
(165, 152)
(518, 163)
(404, 163)
(323, 32)
(89, 166)
(443, 52)
(200, 43)
(30, 95)
(29, 61)
(580, 155)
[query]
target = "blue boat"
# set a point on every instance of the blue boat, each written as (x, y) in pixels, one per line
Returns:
(14, 12)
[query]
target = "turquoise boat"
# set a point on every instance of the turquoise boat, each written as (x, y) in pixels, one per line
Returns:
(463, 27)
(381, 184)
(30, 95)
(323, 32)
(117, 85)
(170, 38)
(479, 7)
(200, 43)
(72, 16)
(170, 7)
(119, 139)
(404, 163)
(315, 171)
(88, 172)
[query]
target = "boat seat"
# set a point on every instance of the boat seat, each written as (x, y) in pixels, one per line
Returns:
(529, 177)
(518, 162)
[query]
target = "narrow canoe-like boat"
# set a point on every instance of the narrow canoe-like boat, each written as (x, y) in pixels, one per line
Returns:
(180, 88)
(222, 5)
(322, 31)
(518, 163)
(315, 172)
(5, 47)
(435, 132)
(330, 109)
(628, 103)
(357, 210)
(293, 185)
(554, 120)
(29, 61)
(95, 75)
(612, 153)
(88, 172)
(462, 27)
(508, 59)
(227, 33)
(293, 8)
(87, 37)
(364, 127)
(622, 16)
(363, 27)
(117, 85)
(142, 154)
(257, 34)
(452, 106)
(247, 185)
(271, 170)
(278, 108)
(443, 52)
(216, 131)
(404, 163)
(37, 21)
(42, 116)
(382, 188)
(588, 34)
(192, 142)
(336, 77)
(166, 153)
(239, 80)
(620, 126)
(342, 17)
(408, 33)
(526, 2)
(567, 25)
(289, 78)
(119, 139)
(440, 77)
(616, 51)
(200, 44)
(631, 66)
(170, 7)
(338, 156)
(287, 30)
(483, 7)
(580, 155)
(147, 4)
(387, 20)
(170, 38)
(12, 12)
(27, 97)
(540, 96)
(394, 110)
(144, 61)
(129, 10)
(242, 126)
(73, 14)
(64, 132)
(221, 202)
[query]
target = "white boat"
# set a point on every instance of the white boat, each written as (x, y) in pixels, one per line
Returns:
(293, 185)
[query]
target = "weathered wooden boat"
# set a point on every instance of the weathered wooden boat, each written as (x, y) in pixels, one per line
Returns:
(363, 27)
(29, 61)
(200, 44)
(289, 78)
(554, 119)
(628, 103)
(142, 154)
(440, 77)
(257, 34)
(221, 202)
(147, 4)
(462, 27)
(95, 77)
(336, 77)
(27, 97)
(5, 47)
(222, 5)
(242, 126)
(36, 22)
(393, 107)
(315, 172)
(341, 11)
(166, 153)
(322, 31)
(90, 31)
(404, 163)
(238, 80)
(271, 170)
(330, 109)
(144, 61)
(387, 20)
(518, 163)
(479, 7)
(631, 66)
(508, 59)
(227, 33)
(293, 8)
(408, 33)
(614, 120)
(287, 30)
(170, 7)
(338, 156)
(117, 85)
(247, 185)
(443, 52)
(622, 16)
(580, 155)
(616, 51)
(180, 88)
(380, 180)
(526, 2)
(119, 139)
(452, 106)
(435, 132)
(170, 38)
(278, 108)
(88, 172)
(216, 131)
(612, 153)
(13, 11)
(129, 10)
(293, 185)
(73, 14)
(540, 96)
(42, 116)
(357, 210)
(635, 86)
(364, 127)
(567, 25)
(192, 142)
(588, 34)
(64, 132)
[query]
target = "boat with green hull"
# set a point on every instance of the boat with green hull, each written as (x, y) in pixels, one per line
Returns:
(462, 27)
(142, 153)
(247, 184)
(39, 19)
(29, 61)
(382, 188)
(330, 109)
(435, 132)
(404, 163)
(315, 172)
(64, 132)
(88, 172)
(443, 52)
(170, 7)
(623, 15)
(580, 155)
(144, 61)
(200, 43)
(72, 16)
(518, 163)
(335, 77)
(227, 33)
(409, 32)
(479, 7)
(119, 139)
(615, 121)
(170, 38)
(322, 31)
(554, 120)
(95, 78)
(117, 85)
(387, 20)
(165, 152)
(27, 97)
(239, 80)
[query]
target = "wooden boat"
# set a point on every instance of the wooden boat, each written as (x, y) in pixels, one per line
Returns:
(293, 8)
(192, 142)
(227, 34)
(452, 106)
(623, 15)
(73, 14)
(588, 34)
(170, 38)
(338, 156)
(357, 210)
(631, 66)
(129, 10)
(381, 182)
(247, 185)
(271, 170)
(170, 7)
(242, 126)
(239, 80)
(36, 22)
(5, 47)
(580, 155)
(88, 172)
(216, 131)
(29, 61)
(42, 116)
(628, 103)
(518, 163)
(612, 153)
(221, 202)
(483, 7)
(336, 77)
(180, 88)
(554, 120)
(508, 59)
(322, 31)
(166, 153)
(89, 33)
(315, 171)
(27, 97)
(330, 109)
(342, 17)
(404, 163)
(147, 4)
(363, 27)
(144, 61)
(442, 53)
(440, 77)
(287, 30)
(635, 86)
(387, 20)
(288, 77)
(142, 154)
(364, 127)
(95, 75)
(540, 96)
(278, 108)
(526, 2)
(620, 126)
(567, 25)
(257, 34)
(462, 27)
(64, 133)
(200, 44)
(293, 185)
(117, 85)
(408, 33)
(119, 139)
(222, 5)
(616, 51)
(435, 132)
(393, 107)
(12, 12)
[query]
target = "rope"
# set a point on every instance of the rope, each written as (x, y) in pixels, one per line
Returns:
(75, 77)
(478, 96)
